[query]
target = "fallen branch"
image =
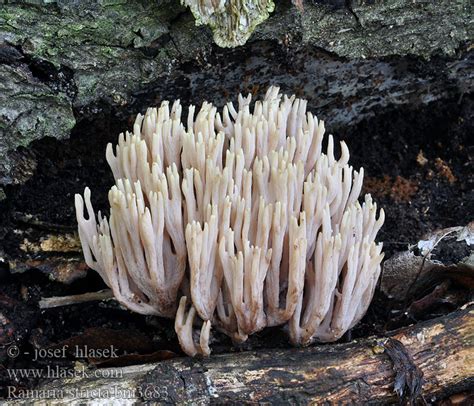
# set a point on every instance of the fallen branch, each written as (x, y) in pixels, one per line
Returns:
(440, 351)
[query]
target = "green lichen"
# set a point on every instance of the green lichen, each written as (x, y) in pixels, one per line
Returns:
(396, 27)
(29, 110)
(93, 39)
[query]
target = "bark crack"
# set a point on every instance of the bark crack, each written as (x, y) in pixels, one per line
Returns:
(351, 10)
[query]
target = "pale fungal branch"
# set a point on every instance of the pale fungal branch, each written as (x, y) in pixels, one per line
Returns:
(183, 325)
(245, 273)
(341, 281)
(204, 266)
(244, 213)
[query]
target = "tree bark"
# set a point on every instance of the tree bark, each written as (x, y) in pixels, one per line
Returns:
(438, 354)
(65, 61)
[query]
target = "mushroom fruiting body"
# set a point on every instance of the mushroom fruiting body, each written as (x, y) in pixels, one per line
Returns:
(242, 213)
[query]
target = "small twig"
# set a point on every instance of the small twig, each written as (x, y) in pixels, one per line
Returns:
(396, 243)
(57, 301)
(419, 306)
(423, 264)
(32, 221)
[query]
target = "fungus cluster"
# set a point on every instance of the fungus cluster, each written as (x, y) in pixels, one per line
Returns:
(237, 220)
(231, 21)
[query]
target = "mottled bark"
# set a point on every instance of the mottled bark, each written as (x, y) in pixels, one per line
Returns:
(437, 353)
(63, 61)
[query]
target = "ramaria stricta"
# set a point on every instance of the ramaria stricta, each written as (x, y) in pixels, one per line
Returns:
(237, 218)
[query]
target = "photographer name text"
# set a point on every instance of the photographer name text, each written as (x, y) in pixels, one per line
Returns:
(77, 351)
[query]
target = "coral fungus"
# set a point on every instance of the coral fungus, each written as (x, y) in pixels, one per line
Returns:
(240, 216)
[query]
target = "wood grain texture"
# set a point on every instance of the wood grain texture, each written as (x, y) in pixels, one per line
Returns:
(356, 372)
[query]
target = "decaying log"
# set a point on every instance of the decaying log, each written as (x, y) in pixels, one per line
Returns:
(438, 354)
(58, 65)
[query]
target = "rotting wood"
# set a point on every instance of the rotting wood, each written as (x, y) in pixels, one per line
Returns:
(360, 371)
(68, 65)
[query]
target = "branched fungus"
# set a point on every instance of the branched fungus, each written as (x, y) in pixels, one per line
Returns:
(232, 21)
(242, 213)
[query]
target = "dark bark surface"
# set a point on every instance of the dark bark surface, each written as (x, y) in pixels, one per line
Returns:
(364, 371)
(65, 61)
